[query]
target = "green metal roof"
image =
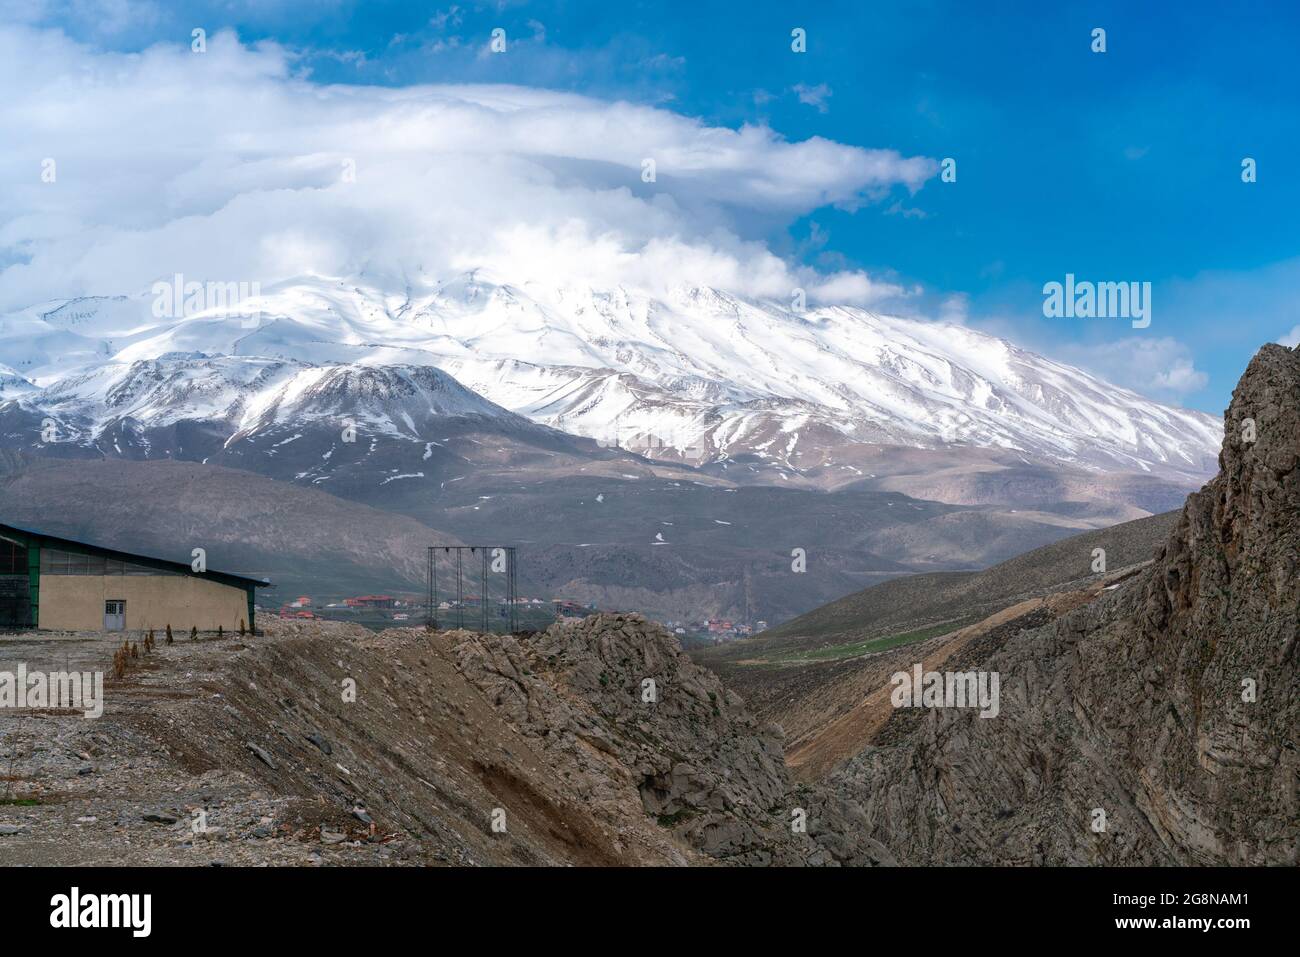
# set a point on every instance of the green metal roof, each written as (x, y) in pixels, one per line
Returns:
(55, 541)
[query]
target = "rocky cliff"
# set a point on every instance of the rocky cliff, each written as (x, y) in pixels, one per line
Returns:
(638, 729)
(1156, 725)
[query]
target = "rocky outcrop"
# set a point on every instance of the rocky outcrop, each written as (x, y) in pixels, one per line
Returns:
(1156, 725)
(637, 728)
(594, 743)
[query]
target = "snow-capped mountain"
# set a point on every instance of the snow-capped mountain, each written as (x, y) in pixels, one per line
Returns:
(254, 393)
(700, 375)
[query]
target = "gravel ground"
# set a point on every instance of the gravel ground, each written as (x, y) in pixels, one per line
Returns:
(109, 791)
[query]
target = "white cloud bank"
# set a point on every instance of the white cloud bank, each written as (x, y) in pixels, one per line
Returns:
(1159, 367)
(228, 165)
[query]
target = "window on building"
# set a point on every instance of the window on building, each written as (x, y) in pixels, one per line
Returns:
(58, 561)
(13, 558)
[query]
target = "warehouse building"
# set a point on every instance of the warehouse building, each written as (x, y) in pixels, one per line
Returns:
(56, 583)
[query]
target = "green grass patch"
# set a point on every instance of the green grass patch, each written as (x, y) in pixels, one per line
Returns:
(19, 802)
(869, 645)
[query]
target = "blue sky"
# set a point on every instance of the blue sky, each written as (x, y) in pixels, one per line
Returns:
(1122, 166)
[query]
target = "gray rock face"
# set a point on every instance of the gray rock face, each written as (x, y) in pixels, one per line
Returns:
(639, 728)
(261, 754)
(1156, 725)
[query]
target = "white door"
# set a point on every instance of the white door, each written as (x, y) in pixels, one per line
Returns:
(114, 615)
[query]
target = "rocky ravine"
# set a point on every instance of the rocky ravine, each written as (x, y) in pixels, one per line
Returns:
(1135, 705)
(694, 759)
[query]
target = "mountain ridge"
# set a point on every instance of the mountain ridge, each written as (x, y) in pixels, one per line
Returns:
(699, 375)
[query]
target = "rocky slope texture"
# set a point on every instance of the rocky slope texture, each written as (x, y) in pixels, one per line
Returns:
(549, 737)
(1166, 709)
(692, 757)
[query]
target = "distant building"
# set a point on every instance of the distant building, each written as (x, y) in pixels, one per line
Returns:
(760, 625)
(302, 601)
(49, 582)
(371, 601)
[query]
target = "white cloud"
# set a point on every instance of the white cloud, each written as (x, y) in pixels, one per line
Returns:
(229, 165)
(814, 96)
(452, 16)
(101, 17)
(1163, 368)
(955, 308)
(1291, 339)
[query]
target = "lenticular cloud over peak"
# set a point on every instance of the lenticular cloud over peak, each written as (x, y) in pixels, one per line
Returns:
(232, 165)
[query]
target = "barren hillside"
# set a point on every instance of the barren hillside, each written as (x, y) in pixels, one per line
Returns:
(814, 669)
(299, 537)
(552, 738)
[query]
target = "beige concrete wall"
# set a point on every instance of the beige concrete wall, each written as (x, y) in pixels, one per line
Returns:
(76, 602)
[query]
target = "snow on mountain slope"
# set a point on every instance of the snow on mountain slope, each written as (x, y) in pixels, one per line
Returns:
(13, 385)
(700, 375)
(252, 394)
